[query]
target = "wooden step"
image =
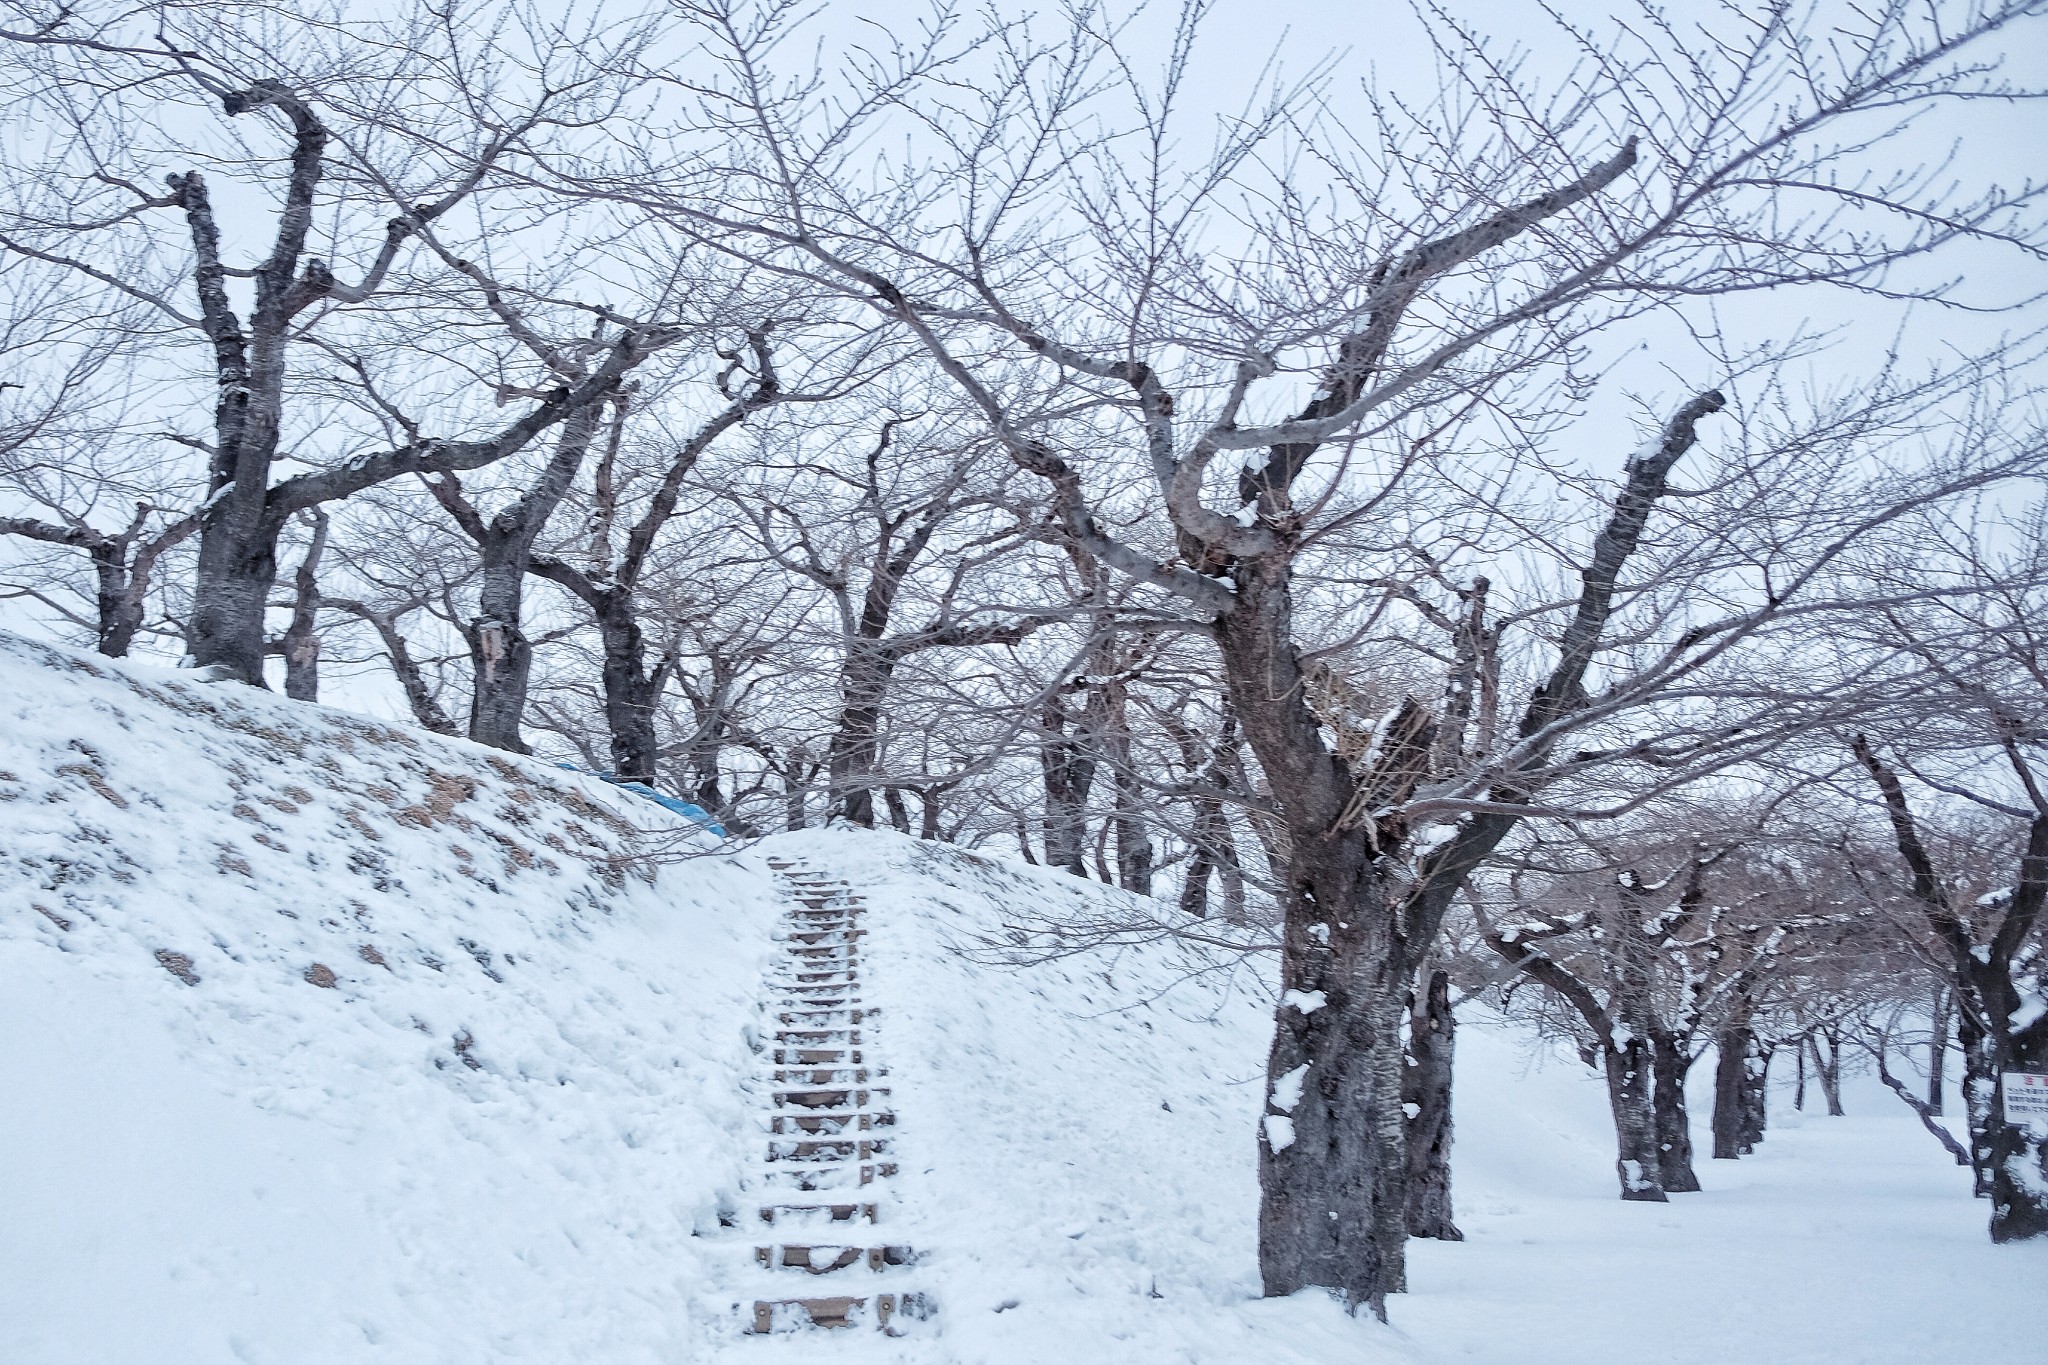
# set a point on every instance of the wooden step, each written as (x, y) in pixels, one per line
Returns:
(839, 1310)
(817, 1056)
(834, 1098)
(823, 1260)
(824, 1075)
(827, 1149)
(826, 1176)
(808, 1213)
(784, 1124)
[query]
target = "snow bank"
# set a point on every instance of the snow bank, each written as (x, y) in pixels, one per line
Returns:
(329, 1040)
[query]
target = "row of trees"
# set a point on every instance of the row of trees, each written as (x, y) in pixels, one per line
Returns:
(929, 435)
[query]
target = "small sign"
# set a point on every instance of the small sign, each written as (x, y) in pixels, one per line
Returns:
(2026, 1099)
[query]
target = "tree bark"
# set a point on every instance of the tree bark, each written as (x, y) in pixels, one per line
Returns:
(1827, 1068)
(1426, 1101)
(1735, 1048)
(1937, 1049)
(500, 654)
(1674, 1123)
(1630, 1082)
(1980, 1093)
(302, 638)
(853, 759)
(1067, 760)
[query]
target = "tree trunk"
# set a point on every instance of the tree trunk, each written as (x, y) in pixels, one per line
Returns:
(1194, 886)
(1937, 1049)
(1426, 1102)
(120, 599)
(795, 793)
(1630, 1095)
(1980, 1093)
(2019, 1153)
(1134, 852)
(1326, 1184)
(1069, 769)
(854, 757)
(1754, 1110)
(1827, 1067)
(1734, 1046)
(1674, 1123)
(632, 695)
(237, 566)
(1332, 1165)
(418, 695)
(930, 798)
(302, 638)
(899, 814)
(500, 654)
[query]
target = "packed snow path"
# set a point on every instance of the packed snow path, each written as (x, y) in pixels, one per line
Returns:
(829, 1125)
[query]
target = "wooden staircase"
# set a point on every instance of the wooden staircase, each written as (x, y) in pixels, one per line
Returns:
(830, 1127)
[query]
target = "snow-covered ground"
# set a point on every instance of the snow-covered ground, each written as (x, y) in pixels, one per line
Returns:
(506, 1132)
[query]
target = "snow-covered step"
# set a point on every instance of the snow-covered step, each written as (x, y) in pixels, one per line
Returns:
(825, 1075)
(781, 1124)
(817, 1037)
(817, 1215)
(817, 1056)
(884, 1311)
(825, 1259)
(826, 1176)
(833, 1098)
(816, 1149)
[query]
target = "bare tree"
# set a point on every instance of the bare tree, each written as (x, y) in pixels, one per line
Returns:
(1457, 279)
(91, 75)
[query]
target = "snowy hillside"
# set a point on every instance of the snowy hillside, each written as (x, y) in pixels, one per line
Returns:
(448, 1082)
(329, 1041)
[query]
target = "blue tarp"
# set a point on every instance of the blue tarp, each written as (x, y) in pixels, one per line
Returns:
(674, 803)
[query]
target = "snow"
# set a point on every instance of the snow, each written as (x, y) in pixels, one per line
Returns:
(255, 1168)
(1840, 1240)
(512, 1139)
(1287, 1090)
(1308, 1002)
